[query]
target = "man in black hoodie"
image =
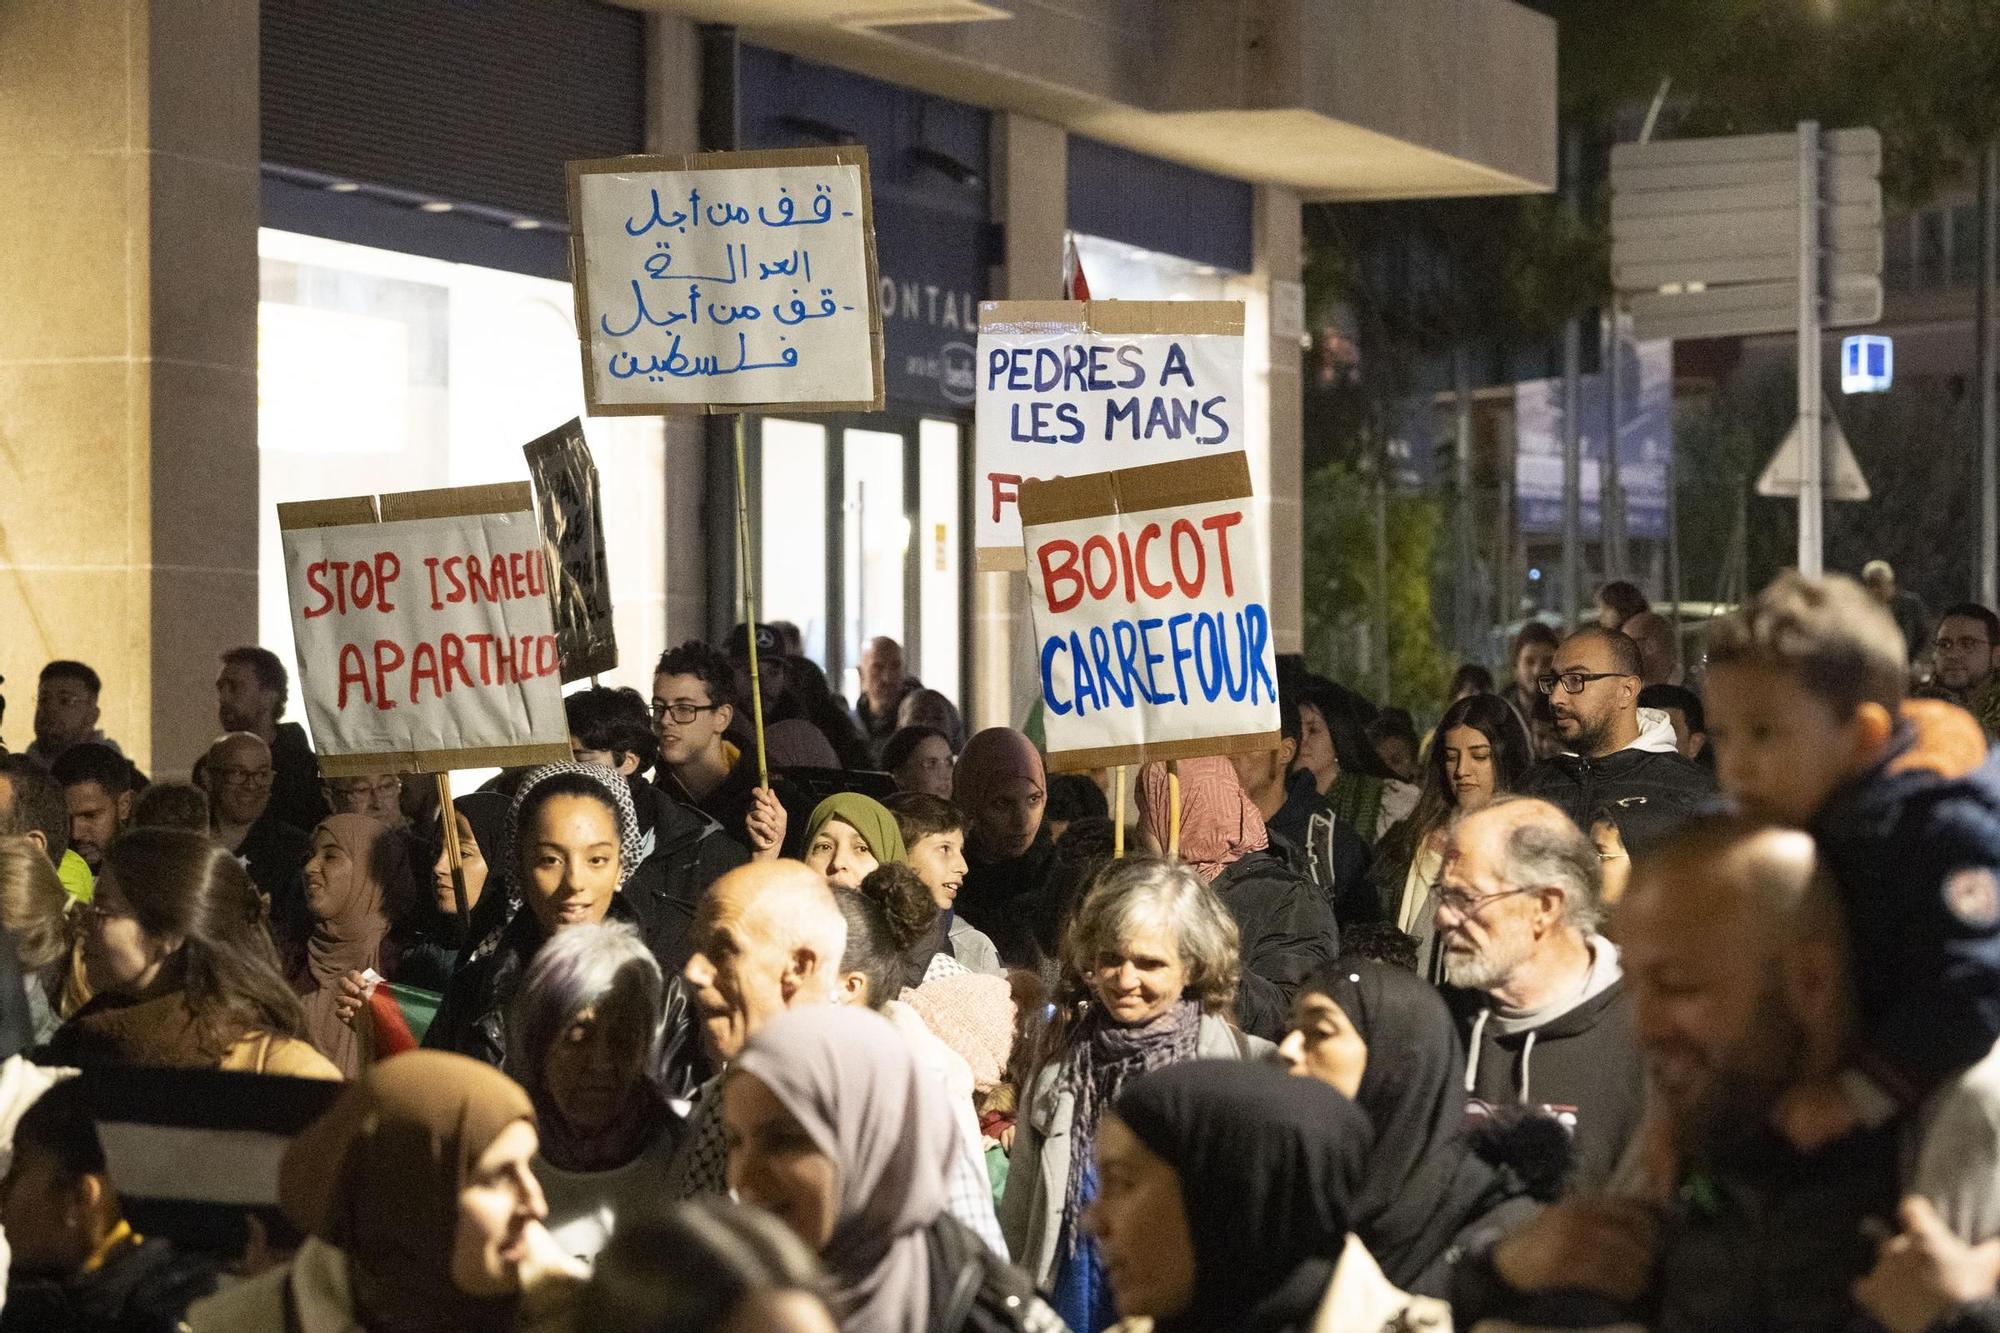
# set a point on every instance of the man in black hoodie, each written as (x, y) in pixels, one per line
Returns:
(1537, 991)
(694, 701)
(77, 1263)
(1619, 765)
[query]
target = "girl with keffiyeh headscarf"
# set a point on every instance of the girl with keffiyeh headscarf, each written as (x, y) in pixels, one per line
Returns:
(1286, 922)
(574, 841)
(1149, 968)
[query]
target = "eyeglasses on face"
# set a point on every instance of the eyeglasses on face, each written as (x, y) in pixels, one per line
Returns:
(1573, 681)
(243, 777)
(1466, 906)
(682, 713)
(365, 787)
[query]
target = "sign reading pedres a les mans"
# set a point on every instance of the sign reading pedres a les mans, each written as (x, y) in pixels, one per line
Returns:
(1069, 387)
(726, 282)
(1151, 595)
(426, 638)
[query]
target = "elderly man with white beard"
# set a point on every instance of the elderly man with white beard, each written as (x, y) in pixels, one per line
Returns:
(1538, 993)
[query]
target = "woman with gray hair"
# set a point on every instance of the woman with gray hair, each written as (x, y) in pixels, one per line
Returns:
(1149, 969)
(583, 1041)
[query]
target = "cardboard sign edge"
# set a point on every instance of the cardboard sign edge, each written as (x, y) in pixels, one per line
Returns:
(1110, 756)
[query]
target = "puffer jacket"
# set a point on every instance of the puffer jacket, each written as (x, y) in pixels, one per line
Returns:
(1646, 789)
(1288, 931)
(1913, 847)
(141, 1287)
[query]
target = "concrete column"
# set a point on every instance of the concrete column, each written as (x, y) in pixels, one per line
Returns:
(1031, 204)
(1275, 373)
(673, 105)
(128, 357)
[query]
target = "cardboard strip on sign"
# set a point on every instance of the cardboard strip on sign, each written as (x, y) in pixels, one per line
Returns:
(841, 155)
(1110, 756)
(1118, 318)
(502, 497)
(1190, 481)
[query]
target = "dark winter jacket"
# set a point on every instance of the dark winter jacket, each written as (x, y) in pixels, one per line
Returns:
(140, 1288)
(686, 852)
(274, 853)
(729, 803)
(1014, 902)
(1582, 1066)
(1325, 851)
(296, 796)
(1646, 789)
(1288, 931)
(1914, 848)
(1764, 1238)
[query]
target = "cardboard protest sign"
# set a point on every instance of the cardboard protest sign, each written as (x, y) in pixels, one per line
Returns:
(1068, 387)
(726, 282)
(1151, 595)
(573, 536)
(425, 634)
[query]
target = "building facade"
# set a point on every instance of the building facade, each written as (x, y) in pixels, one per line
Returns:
(290, 249)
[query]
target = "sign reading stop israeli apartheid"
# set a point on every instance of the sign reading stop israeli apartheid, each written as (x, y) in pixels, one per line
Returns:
(1151, 598)
(726, 282)
(1071, 387)
(425, 632)
(572, 513)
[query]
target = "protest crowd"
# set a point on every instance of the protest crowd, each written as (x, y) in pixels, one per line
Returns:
(1619, 999)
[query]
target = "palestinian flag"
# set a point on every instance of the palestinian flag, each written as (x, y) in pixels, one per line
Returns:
(398, 1017)
(193, 1153)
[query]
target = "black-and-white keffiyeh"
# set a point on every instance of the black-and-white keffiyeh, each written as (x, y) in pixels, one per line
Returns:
(631, 846)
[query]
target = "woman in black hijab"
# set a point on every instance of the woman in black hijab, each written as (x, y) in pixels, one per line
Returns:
(1425, 1186)
(1224, 1196)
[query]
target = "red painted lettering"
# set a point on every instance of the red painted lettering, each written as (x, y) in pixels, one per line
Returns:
(548, 656)
(1220, 524)
(1190, 584)
(388, 657)
(1006, 490)
(353, 671)
(316, 582)
(424, 665)
(1100, 545)
(1151, 589)
(1052, 574)
(387, 570)
(452, 652)
(431, 567)
(538, 583)
(475, 580)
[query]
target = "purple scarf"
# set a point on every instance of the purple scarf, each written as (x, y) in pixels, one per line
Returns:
(1103, 1059)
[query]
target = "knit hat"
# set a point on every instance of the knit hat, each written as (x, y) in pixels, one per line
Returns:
(974, 1015)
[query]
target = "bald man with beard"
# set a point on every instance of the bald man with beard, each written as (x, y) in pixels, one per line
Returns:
(1755, 1207)
(237, 774)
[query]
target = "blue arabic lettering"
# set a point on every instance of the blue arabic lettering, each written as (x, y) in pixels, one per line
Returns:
(678, 221)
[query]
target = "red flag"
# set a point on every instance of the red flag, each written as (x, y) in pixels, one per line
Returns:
(1075, 288)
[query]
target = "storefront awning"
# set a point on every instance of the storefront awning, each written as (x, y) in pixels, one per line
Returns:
(1338, 99)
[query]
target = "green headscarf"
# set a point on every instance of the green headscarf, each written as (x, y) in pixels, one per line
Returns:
(867, 817)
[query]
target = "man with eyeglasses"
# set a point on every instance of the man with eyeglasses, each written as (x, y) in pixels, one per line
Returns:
(1537, 992)
(1966, 647)
(1620, 771)
(237, 774)
(694, 701)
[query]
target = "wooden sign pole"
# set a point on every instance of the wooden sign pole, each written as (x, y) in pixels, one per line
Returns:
(1173, 807)
(1118, 814)
(745, 565)
(454, 854)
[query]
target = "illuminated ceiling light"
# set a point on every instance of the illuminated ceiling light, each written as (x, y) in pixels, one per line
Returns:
(525, 224)
(343, 187)
(435, 206)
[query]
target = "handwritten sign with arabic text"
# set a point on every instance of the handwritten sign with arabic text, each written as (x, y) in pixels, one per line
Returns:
(726, 282)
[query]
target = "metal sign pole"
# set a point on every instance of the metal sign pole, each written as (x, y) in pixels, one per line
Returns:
(1811, 476)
